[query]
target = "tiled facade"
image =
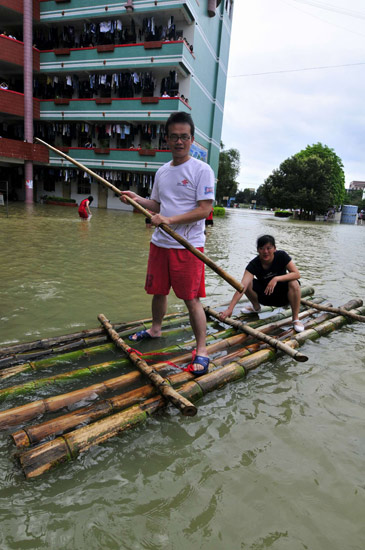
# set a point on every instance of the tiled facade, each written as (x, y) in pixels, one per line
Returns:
(106, 76)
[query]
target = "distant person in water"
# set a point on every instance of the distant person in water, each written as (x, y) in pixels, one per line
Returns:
(270, 279)
(84, 210)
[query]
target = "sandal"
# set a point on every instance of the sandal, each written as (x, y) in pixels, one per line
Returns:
(138, 336)
(198, 360)
(298, 326)
(249, 310)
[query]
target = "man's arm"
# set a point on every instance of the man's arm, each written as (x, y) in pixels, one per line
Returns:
(149, 204)
(199, 213)
(246, 279)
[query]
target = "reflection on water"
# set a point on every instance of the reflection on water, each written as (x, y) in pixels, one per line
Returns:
(274, 461)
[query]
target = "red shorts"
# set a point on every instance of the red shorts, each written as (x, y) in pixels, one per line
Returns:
(177, 268)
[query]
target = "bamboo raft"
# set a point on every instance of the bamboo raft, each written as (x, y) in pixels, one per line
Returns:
(52, 413)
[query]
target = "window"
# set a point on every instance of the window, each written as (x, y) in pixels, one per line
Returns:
(84, 188)
(49, 185)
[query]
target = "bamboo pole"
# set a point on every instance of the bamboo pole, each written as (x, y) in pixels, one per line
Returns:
(233, 282)
(74, 355)
(66, 447)
(38, 358)
(160, 383)
(50, 344)
(36, 433)
(259, 335)
(337, 310)
(23, 413)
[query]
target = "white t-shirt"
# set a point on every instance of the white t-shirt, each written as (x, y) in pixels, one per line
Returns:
(178, 189)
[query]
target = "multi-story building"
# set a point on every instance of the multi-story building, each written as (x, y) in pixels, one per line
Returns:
(105, 76)
(356, 185)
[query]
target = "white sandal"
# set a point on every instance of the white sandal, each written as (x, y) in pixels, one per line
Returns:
(249, 310)
(298, 326)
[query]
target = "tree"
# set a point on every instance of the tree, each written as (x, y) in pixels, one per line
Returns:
(228, 170)
(313, 180)
(354, 196)
(260, 197)
(245, 196)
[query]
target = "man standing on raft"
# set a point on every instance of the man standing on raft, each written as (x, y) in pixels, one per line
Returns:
(270, 279)
(182, 197)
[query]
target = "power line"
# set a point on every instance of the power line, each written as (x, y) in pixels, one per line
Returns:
(298, 70)
(330, 7)
(331, 23)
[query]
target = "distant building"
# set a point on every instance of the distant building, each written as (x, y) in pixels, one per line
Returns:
(357, 185)
(99, 80)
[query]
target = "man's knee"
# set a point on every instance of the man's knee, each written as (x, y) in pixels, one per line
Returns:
(293, 285)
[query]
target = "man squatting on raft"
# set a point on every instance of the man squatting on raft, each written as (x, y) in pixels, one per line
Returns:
(182, 197)
(270, 279)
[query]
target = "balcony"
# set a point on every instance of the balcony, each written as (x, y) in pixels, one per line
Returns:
(10, 10)
(12, 103)
(64, 11)
(147, 55)
(111, 109)
(15, 149)
(112, 159)
(12, 54)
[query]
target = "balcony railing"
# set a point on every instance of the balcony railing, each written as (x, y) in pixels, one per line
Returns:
(16, 149)
(12, 51)
(147, 55)
(12, 103)
(109, 109)
(67, 11)
(112, 159)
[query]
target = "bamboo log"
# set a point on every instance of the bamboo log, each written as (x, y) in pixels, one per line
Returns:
(160, 383)
(93, 344)
(259, 335)
(36, 433)
(47, 455)
(337, 310)
(23, 413)
(60, 344)
(233, 282)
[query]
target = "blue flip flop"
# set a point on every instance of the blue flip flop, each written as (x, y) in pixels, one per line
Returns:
(141, 335)
(198, 360)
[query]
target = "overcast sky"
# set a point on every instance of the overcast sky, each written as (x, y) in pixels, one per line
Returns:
(270, 117)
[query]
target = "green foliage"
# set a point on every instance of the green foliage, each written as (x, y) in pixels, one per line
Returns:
(313, 180)
(283, 213)
(59, 199)
(260, 197)
(245, 196)
(219, 211)
(354, 196)
(228, 170)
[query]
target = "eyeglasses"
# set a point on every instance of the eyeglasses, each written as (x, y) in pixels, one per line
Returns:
(175, 138)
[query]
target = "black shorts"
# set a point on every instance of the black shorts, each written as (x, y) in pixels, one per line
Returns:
(278, 298)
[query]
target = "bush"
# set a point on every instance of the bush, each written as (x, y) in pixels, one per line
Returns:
(283, 213)
(59, 199)
(219, 211)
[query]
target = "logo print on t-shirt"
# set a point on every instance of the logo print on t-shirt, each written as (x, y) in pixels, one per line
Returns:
(183, 182)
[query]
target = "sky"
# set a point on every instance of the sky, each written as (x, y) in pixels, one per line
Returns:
(270, 117)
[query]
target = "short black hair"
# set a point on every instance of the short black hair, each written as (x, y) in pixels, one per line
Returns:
(90, 198)
(180, 118)
(265, 239)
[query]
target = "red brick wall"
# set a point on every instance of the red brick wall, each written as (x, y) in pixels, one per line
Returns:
(12, 51)
(12, 103)
(12, 148)
(17, 5)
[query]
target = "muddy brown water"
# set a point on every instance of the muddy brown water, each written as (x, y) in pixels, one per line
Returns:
(275, 461)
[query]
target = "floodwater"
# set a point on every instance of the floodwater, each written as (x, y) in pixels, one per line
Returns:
(275, 461)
